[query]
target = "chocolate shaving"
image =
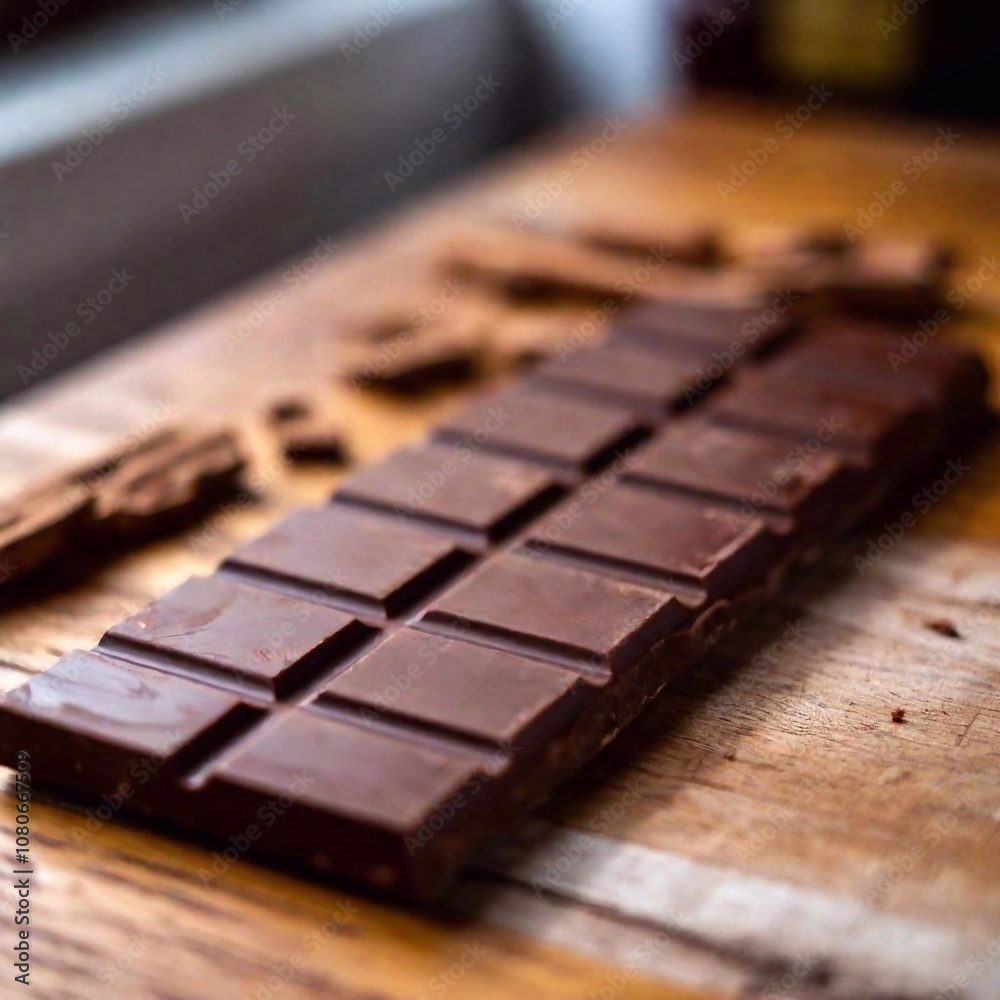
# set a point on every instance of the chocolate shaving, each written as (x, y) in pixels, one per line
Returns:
(945, 627)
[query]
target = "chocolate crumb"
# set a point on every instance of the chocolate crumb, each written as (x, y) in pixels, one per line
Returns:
(944, 627)
(288, 409)
(899, 715)
(315, 444)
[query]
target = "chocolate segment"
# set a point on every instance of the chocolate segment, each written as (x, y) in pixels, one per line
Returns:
(679, 326)
(454, 485)
(455, 686)
(97, 722)
(875, 424)
(327, 555)
(559, 611)
(348, 795)
(755, 469)
(892, 278)
(572, 434)
(878, 356)
(685, 540)
(244, 634)
(645, 384)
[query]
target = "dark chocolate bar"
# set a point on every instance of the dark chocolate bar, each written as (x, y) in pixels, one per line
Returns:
(409, 666)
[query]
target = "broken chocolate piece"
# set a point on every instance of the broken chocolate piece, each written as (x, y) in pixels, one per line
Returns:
(419, 366)
(168, 482)
(42, 524)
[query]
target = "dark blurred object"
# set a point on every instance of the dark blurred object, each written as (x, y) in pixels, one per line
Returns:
(923, 56)
(140, 194)
(21, 21)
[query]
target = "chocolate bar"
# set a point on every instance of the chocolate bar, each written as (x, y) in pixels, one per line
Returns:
(377, 686)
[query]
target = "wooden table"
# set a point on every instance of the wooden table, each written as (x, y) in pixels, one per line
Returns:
(764, 829)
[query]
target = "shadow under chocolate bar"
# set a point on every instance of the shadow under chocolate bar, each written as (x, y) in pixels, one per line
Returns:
(378, 686)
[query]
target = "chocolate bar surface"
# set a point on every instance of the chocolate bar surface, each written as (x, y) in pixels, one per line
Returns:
(464, 624)
(574, 434)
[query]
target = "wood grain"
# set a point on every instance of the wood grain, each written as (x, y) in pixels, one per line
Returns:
(765, 829)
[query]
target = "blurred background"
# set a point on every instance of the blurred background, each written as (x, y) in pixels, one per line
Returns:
(120, 123)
